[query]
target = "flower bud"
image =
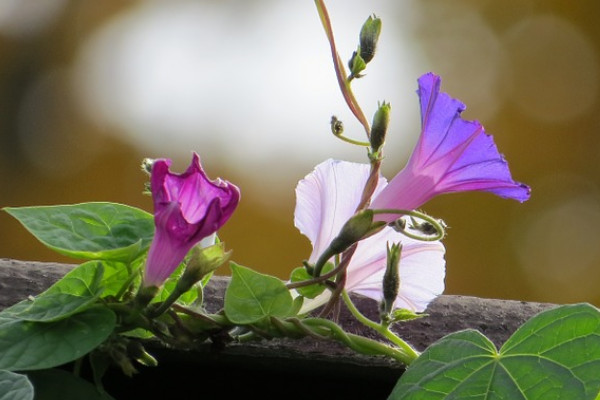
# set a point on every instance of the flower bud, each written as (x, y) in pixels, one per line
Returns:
(337, 126)
(381, 120)
(147, 164)
(369, 35)
(391, 278)
(202, 262)
(355, 229)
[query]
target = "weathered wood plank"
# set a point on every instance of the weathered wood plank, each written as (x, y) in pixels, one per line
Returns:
(307, 357)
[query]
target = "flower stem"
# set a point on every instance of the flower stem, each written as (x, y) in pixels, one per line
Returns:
(360, 344)
(406, 349)
(438, 226)
(340, 71)
(353, 141)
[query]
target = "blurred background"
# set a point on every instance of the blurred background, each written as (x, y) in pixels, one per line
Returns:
(88, 89)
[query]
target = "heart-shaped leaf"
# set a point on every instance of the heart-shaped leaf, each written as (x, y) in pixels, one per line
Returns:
(252, 296)
(554, 355)
(91, 231)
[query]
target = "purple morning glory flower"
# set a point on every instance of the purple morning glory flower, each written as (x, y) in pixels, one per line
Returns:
(451, 155)
(325, 200)
(188, 208)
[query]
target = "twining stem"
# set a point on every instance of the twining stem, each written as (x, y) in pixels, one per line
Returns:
(383, 330)
(440, 231)
(216, 320)
(340, 71)
(340, 280)
(353, 141)
(361, 344)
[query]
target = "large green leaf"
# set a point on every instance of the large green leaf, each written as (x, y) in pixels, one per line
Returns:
(554, 355)
(50, 307)
(90, 231)
(75, 292)
(56, 384)
(251, 296)
(83, 280)
(15, 386)
(26, 345)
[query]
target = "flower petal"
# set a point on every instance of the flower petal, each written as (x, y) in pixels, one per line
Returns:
(422, 269)
(326, 198)
(188, 207)
(451, 155)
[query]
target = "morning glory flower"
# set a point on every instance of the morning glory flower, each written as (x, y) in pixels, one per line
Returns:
(325, 200)
(188, 208)
(451, 155)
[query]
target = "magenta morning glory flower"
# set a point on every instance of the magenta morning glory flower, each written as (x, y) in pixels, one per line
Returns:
(451, 155)
(325, 200)
(188, 208)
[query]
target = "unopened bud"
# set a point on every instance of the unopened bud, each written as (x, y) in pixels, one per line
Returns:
(381, 120)
(337, 126)
(391, 278)
(355, 229)
(147, 164)
(369, 35)
(202, 262)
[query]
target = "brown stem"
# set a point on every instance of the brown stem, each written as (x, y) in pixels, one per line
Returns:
(340, 71)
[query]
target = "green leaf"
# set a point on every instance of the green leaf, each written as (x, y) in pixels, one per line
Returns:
(116, 274)
(56, 384)
(83, 280)
(403, 315)
(15, 386)
(91, 231)
(75, 292)
(251, 296)
(52, 307)
(26, 345)
(554, 355)
(311, 291)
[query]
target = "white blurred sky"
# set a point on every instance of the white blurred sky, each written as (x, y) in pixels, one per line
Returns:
(248, 83)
